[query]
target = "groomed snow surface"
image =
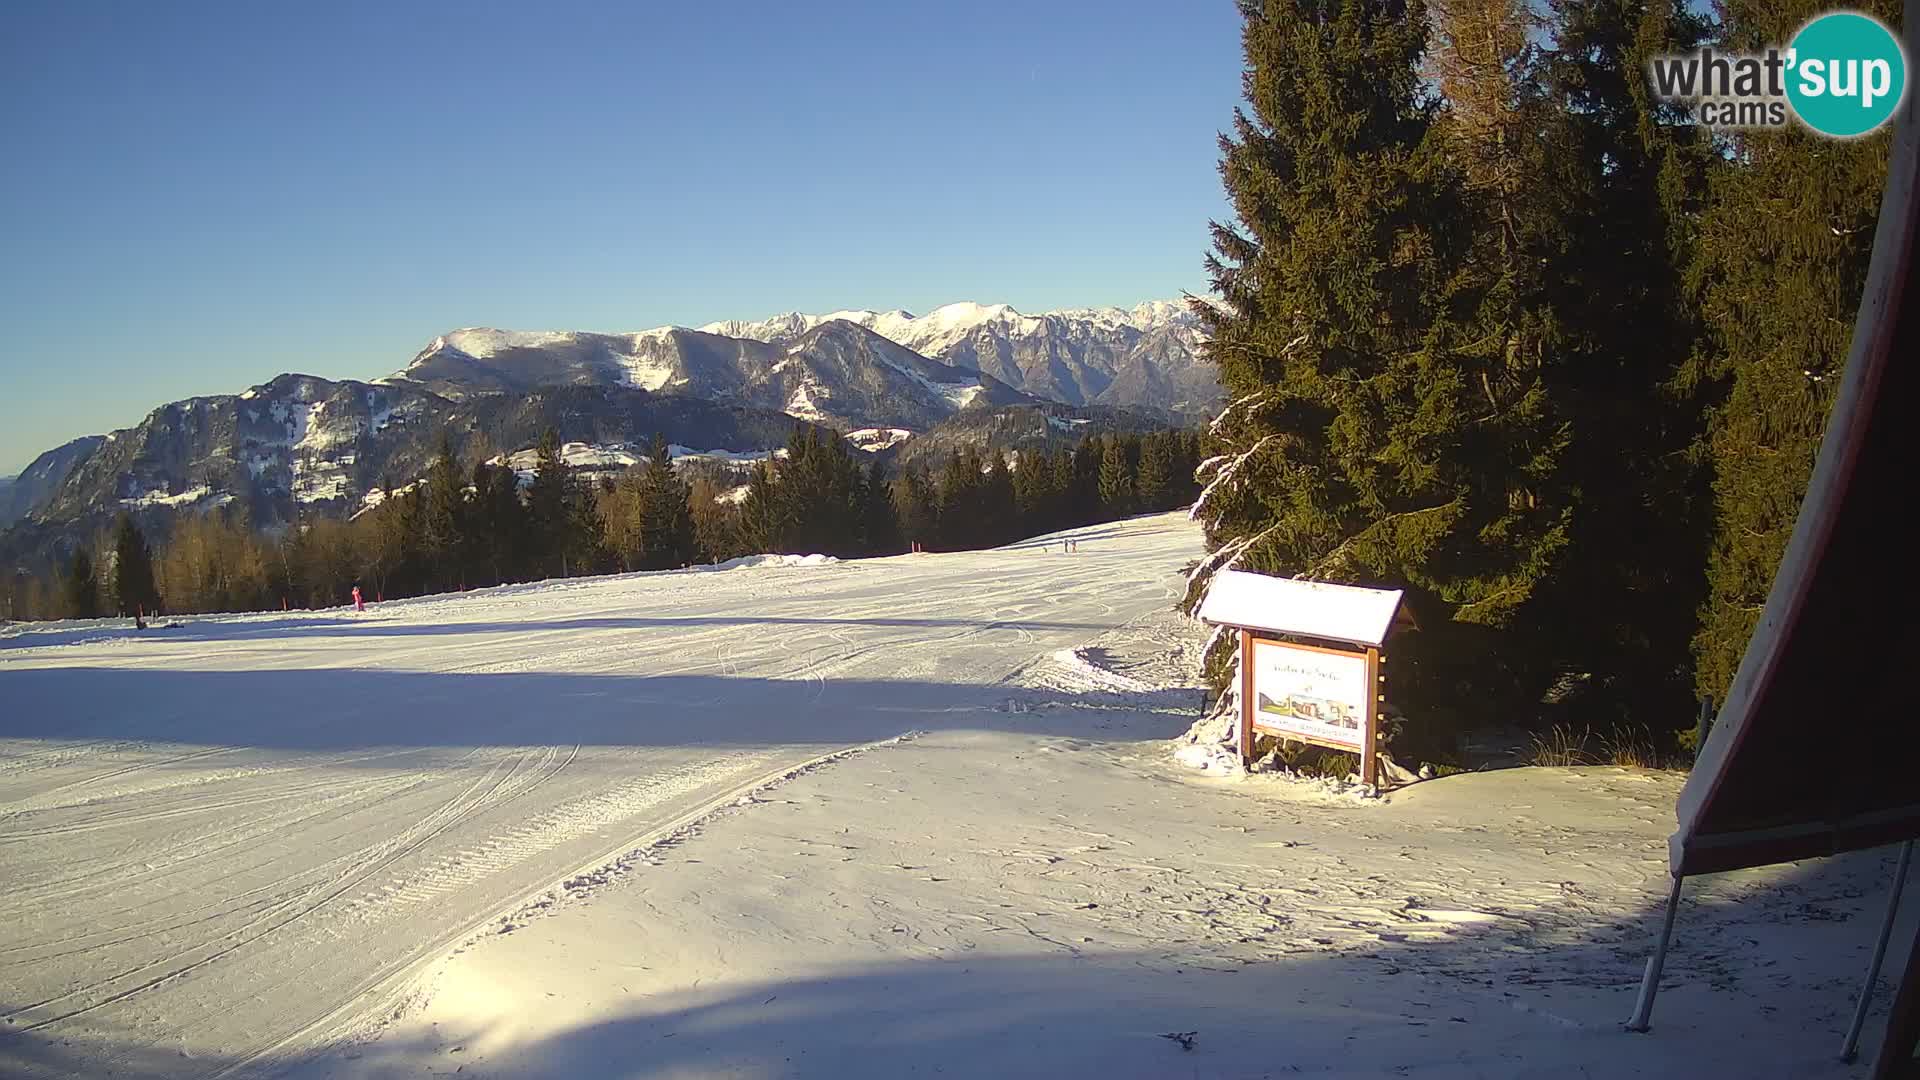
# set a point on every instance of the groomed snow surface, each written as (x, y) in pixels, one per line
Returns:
(894, 817)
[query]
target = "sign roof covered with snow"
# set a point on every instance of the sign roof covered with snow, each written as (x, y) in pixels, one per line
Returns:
(1294, 606)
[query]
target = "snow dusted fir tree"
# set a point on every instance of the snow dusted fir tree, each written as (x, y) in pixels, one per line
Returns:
(1369, 437)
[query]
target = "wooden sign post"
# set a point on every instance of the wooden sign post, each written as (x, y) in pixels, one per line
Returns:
(1309, 660)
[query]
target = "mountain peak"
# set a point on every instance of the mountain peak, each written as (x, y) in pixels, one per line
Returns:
(1118, 356)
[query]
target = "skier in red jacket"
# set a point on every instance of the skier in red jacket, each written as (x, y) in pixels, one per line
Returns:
(358, 603)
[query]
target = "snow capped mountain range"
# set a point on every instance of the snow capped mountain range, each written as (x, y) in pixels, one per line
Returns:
(834, 372)
(948, 324)
(1144, 358)
(909, 384)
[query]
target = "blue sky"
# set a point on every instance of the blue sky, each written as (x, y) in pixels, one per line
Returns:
(198, 197)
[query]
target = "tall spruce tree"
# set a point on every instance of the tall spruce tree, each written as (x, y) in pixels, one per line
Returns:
(961, 509)
(133, 588)
(763, 519)
(999, 514)
(549, 517)
(1153, 486)
(1368, 437)
(443, 519)
(1081, 506)
(1116, 479)
(816, 495)
(1031, 484)
(667, 519)
(499, 522)
(880, 532)
(1624, 180)
(82, 587)
(1061, 511)
(916, 504)
(1783, 255)
(1506, 219)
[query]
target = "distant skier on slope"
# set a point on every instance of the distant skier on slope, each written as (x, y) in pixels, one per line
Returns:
(359, 603)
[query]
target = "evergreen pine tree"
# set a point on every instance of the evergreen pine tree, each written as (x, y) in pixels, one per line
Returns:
(917, 506)
(1368, 437)
(409, 576)
(999, 515)
(1030, 483)
(1783, 256)
(1505, 223)
(816, 495)
(762, 513)
(1081, 505)
(443, 519)
(1116, 479)
(499, 522)
(548, 516)
(1191, 446)
(881, 531)
(1060, 511)
(1626, 174)
(133, 587)
(1154, 484)
(667, 518)
(581, 549)
(82, 587)
(960, 503)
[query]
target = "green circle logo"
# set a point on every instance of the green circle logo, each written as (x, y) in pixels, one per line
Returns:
(1847, 74)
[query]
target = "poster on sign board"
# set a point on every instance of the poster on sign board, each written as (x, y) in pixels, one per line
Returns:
(1318, 695)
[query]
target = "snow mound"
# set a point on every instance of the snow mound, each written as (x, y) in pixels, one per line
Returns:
(1079, 672)
(756, 562)
(1211, 744)
(1083, 678)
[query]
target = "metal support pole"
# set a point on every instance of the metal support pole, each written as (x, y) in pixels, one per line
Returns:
(1650, 984)
(1850, 1048)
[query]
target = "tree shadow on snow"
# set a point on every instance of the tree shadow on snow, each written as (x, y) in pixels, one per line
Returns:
(1484, 1001)
(202, 629)
(344, 709)
(1495, 999)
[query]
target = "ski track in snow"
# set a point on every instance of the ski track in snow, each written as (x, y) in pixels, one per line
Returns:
(221, 835)
(1054, 896)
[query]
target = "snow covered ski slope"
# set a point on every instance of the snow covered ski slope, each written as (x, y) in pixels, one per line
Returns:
(218, 840)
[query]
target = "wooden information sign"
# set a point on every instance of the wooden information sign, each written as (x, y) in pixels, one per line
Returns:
(1324, 691)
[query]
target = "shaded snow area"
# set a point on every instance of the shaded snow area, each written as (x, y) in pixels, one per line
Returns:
(639, 365)
(883, 818)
